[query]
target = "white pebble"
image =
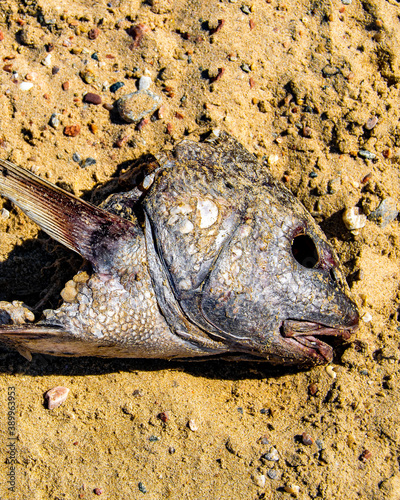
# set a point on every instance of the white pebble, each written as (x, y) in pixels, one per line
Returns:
(144, 82)
(5, 214)
(273, 160)
(330, 371)
(25, 86)
(47, 60)
(208, 212)
(258, 480)
(56, 397)
(366, 317)
(353, 219)
(192, 424)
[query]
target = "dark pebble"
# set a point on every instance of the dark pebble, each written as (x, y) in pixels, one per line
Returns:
(313, 389)
(95, 56)
(313, 175)
(115, 86)
(163, 416)
(88, 162)
(55, 70)
(92, 98)
(153, 439)
(386, 212)
(171, 450)
(142, 487)
(76, 157)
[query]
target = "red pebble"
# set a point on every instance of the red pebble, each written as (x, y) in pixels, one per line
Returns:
(92, 98)
(93, 33)
(65, 85)
(72, 130)
(1, 36)
(163, 416)
(137, 32)
(365, 455)
(98, 491)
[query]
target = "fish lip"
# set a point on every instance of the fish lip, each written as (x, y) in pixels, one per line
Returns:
(303, 336)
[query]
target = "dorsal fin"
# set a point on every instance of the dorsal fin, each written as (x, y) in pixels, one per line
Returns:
(78, 225)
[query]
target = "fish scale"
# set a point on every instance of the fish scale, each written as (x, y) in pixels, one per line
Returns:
(208, 255)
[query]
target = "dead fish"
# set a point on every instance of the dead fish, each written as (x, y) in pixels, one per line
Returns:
(207, 256)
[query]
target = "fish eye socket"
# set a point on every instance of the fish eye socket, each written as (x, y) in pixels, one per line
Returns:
(305, 251)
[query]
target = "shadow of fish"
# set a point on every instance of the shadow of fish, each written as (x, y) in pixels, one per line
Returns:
(207, 256)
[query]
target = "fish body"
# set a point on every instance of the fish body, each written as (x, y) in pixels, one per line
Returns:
(207, 256)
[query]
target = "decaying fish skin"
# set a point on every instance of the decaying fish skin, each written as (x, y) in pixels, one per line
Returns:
(208, 256)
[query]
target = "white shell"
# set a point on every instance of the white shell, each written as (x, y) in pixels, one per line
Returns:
(208, 212)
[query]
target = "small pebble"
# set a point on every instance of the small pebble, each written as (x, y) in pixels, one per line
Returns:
(142, 488)
(330, 371)
(5, 214)
(366, 154)
(115, 86)
(89, 161)
(72, 130)
(93, 33)
(245, 67)
(153, 439)
(65, 85)
(328, 71)
(47, 61)
(346, 2)
(98, 491)
(272, 455)
(258, 480)
(353, 219)
(272, 160)
(193, 426)
(95, 56)
(366, 317)
(56, 397)
(171, 450)
(293, 489)
(365, 455)
(313, 175)
(306, 439)
(163, 416)
(371, 122)
(92, 98)
(313, 389)
(76, 157)
(87, 76)
(272, 473)
(55, 70)
(93, 128)
(133, 107)
(144, 82)
(386, 212)
(54, 120)
(25, 86)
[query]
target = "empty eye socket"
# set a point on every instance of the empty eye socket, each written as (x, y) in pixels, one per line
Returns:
(305, 251)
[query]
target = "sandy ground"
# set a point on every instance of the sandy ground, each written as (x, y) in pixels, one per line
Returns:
(308, 85)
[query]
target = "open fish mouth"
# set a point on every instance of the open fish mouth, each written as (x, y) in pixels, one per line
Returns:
(303, 336)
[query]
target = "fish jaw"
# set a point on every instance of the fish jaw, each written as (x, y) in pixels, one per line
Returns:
(303, 337)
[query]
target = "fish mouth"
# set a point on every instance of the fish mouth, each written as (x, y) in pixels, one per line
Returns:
(303, 337)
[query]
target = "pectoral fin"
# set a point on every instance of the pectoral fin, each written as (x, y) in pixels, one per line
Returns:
(78, 225)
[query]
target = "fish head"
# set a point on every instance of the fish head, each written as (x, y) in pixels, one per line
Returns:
(277, 289)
